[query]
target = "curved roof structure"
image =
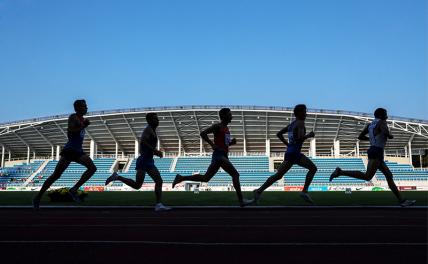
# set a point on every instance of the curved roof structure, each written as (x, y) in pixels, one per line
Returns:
(180, 126)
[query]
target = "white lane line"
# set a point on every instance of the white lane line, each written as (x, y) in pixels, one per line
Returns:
(204, 225)
(217, 207)
(6, 220)
(180, 243)
(170, 216)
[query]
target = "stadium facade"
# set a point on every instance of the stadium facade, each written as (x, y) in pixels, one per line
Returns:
(116, 132)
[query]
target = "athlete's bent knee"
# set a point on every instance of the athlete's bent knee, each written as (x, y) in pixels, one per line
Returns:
(313, 169)
(92, 169)
(235, 175)
(369, 177)
(205, 178)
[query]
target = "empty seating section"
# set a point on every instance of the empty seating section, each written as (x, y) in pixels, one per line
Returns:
(395, 166)
(404, 172)
(192, 164)
(74, 171)
(296, 176)
(250, 163)
(163, 164)
(253, 170)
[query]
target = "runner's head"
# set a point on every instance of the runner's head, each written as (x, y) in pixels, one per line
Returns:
(300, 111)
(152, 119)
(381, 113)
(225, 115)
(80, 107)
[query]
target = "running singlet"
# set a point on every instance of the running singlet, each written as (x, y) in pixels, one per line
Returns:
(75, 140)
(222, 139)
(153, 141)
(293, 145)
(378, 140)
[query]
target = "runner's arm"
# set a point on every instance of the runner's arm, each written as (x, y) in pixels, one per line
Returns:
(363, 133)
(385, 129)
(281, 133)
(212, 129)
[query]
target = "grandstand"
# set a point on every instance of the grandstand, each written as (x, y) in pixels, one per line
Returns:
(73, 173)
(30, 148)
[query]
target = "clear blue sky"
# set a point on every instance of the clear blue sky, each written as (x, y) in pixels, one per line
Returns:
(336, 54)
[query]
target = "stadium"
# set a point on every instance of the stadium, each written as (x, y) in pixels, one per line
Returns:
(30, 148)
(116, 222)
(77, 180)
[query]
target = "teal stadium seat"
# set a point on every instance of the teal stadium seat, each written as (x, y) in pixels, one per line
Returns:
(403, 172)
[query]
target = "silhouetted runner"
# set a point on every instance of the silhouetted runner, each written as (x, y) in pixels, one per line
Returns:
(220, 159)
(146, 163)
(72, 152)
(378, 135)
(296, 136)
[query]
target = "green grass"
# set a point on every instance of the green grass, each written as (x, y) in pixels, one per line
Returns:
(223, 198)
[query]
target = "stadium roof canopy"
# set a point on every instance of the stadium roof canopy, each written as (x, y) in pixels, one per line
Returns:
(180, 126)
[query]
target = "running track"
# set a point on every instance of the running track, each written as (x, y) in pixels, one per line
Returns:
(291, 235)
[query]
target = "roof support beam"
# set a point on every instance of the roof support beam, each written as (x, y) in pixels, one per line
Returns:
(267, 148)
(336, 148)
(62, 130)
(8, 129)
(357, 148)
(313, 147)
(178, 134)
(267, 126)
(92, 149)
(338, 128)
(410, 128)
(409, 144)
(28, 155)
(21, 139)
(111, 134)
(5, 130)
(130, 128)
(42, 136)
(8, 149)
(314, 126)
(244, 133)
(201, 143)
(5, 146)
(25, 143)
(92, 138)
(3, 150)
